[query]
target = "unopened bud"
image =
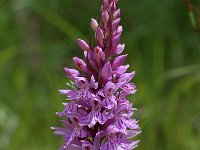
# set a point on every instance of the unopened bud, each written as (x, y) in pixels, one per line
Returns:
(81, 64)
(83, 45)
(94, 24)
(120, 49)
(115, 24)
(105, 3)
(119, 29)
(117, 14)
(99, 54)
(105, 17)
(99, 34)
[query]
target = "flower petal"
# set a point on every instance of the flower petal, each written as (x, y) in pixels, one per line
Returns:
(94, 24)
(83, 45)
(118, 61)
(122, 69)
(81, 65)
(71, 73)
(120, 48)
(106, 71)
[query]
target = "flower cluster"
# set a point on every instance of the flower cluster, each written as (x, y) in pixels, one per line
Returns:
(98, 115)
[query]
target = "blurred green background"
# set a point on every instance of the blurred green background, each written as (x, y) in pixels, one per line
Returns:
(37, 39)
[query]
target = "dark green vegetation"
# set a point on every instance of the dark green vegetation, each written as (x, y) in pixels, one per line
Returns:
(37, 39)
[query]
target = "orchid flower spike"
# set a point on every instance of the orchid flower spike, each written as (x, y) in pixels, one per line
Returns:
(98, 115)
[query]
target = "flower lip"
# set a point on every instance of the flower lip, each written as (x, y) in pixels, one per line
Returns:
(96, 104)
(109, 89)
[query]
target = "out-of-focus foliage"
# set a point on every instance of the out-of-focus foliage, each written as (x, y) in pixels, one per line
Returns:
(37, 39)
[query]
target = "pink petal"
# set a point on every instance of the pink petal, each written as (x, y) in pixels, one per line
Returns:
(122, 69)
(120, 48)
(94, 24)
(83, 45)
(81, 65)
(125, 78)
(99, 54)
(99, 34)
(117, 14)
(115, 43)
(120, 29)
(115, 24)
(106, 71)
(71, 73)
(105, 17)
(118, 61)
